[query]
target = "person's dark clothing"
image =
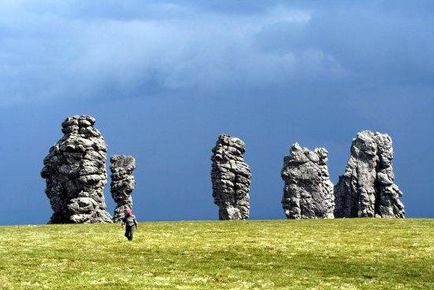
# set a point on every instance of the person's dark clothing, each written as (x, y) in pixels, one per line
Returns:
(129, 232)
(130, 224)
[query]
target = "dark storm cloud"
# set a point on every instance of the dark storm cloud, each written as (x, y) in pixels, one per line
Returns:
(86, 49)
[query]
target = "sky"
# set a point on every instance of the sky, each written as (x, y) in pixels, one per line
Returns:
(165, 78)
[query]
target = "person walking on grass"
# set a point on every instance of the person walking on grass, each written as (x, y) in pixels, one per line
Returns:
(130, 223)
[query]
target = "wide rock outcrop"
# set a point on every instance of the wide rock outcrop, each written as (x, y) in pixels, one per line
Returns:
(230, 177)
(367, 188)
(308, 191)
(75, 174)
(122, 183)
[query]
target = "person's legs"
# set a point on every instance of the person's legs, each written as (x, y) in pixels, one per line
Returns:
(129, 232)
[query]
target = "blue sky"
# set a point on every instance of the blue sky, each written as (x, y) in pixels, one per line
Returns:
(164, 78)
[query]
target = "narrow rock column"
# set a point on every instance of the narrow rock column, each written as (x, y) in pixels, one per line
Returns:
(75, 173)
(122, 183)
(367, 188)
(308, 191)
(230, 177)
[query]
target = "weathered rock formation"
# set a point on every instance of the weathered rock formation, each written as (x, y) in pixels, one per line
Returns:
(75, 174)
(367, 188)
(308, 191)
(122, 183)
(230, 177)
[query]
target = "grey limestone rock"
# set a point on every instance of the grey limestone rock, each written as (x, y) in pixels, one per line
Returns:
(367, 188)
(230, 177)
(75, 174)
(122, 183)
(308, 191)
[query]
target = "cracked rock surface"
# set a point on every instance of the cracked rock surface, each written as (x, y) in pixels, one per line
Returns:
(75, 174)
(367, 188)
(308, 191)
(122, 183)
(230, 177)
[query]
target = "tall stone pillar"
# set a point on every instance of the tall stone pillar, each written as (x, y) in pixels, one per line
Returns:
(308, 191)
(230, 177)
(367, 188)
(75, 174)
(122, 183)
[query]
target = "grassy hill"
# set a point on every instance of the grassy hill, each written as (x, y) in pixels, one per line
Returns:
(296, 254)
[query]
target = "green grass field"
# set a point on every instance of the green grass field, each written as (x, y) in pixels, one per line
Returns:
(290, 254)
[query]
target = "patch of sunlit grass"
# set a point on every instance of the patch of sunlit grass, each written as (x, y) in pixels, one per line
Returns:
(313, 254)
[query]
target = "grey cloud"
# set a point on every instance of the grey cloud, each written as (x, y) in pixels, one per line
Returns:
(84, 49)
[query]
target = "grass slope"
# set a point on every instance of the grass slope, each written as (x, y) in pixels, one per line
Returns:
(296, 254)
